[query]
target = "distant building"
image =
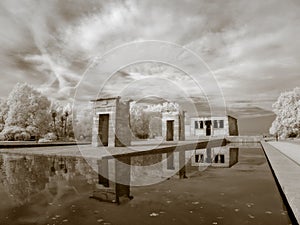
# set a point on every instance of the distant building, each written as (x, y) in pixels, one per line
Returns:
(214, 126)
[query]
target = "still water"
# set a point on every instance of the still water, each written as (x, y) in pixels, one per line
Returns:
(235, 186)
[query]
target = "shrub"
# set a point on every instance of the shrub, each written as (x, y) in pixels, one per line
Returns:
(25, 136)
(14, 133)
(50, 137)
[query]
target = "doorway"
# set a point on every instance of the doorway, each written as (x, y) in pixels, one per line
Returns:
(208, 127)
(170, 130)
(103, 128)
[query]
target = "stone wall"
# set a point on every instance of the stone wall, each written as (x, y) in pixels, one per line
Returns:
(182, 126)
(233, 156)
(233, 127)
(244, 139)
(123, 131)
(179, 127)
(119, 131)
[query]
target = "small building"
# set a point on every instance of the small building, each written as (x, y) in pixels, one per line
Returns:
(173, 128)
(111, 122)
(214, 126)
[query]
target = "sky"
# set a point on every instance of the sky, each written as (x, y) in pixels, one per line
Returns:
(249, 50)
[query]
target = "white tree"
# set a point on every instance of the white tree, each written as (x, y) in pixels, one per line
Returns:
(28, 111)
(83, 122)
(142, 117)
(3, 112)
(287, 110)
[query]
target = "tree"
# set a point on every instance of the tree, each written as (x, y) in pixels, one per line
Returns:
(139, 121)
(28, 112)
(54, 114)
(63, 119)
(3, 112)
(66, 114)
(142, 116)
(287, 110)
(83, 122)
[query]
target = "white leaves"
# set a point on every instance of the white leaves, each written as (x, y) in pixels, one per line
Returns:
(27, 108)
(287, 110)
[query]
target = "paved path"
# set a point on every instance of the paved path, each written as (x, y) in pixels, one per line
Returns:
(291, 150)
(139, 148)
(284, 158)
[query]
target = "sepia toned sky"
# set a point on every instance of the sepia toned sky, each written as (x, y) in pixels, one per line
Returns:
(251, 47)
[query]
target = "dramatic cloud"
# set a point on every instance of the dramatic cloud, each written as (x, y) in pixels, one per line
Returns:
(250, 46)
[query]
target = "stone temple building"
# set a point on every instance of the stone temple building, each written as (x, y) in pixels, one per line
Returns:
(214, 126)
(173, 128)
(111, 122)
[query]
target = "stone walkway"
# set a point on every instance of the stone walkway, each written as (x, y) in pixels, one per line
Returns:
(138, 148)
(291, 150)
(284, 158)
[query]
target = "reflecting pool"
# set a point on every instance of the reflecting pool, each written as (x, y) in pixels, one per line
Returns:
(222, 186)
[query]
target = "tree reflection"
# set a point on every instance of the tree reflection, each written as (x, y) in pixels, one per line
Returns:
(25, 177)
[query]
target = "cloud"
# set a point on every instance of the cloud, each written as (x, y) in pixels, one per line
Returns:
(250, 46)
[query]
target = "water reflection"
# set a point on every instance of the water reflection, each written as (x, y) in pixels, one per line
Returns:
(23, 177)
(42, 190)
(119, 174)
(180, 164)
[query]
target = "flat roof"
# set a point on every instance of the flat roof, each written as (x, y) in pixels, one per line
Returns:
(108, 98)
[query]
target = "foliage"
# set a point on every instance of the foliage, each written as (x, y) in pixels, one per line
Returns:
(26, 112)
(61, 120)
(3, 113)
(287, 110)
(145, 120)
(50, 136)
(15, 133)
(83, 123)
(27, 108)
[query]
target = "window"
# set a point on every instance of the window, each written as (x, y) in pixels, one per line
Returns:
(221, 123)
(215, 124)
(201, 124)
(219, 158)
(196, 124)
(199, 158)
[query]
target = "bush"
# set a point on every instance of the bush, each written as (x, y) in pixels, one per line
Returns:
(10, 132)
(14, 133)
(43, 140)
(23, 136)
(50, 137)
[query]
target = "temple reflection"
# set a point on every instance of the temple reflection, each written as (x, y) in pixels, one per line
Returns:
(26, 177)
(117, 175)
